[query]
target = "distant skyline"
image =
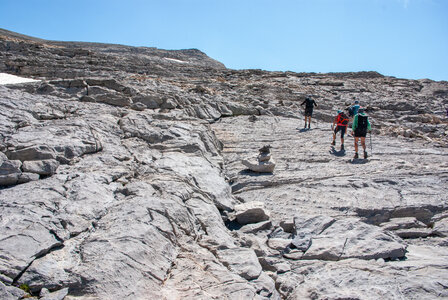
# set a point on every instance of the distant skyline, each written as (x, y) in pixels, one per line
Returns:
(401, 38)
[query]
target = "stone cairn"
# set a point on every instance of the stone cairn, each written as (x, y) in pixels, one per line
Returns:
(265, 163)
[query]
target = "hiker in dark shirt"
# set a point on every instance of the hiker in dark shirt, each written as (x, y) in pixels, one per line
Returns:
(353, 110)
(309, 105)
(360, 127)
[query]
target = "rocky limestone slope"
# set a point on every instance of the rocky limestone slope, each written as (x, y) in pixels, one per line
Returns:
(121, 178)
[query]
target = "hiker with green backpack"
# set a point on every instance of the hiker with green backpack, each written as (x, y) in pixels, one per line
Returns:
(360, 127)
(341, 122)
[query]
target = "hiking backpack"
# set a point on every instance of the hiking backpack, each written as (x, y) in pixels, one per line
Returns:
(343, 119)
(350, 111)
(362, 123)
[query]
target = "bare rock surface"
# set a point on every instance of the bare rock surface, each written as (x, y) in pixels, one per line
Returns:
(121, 178)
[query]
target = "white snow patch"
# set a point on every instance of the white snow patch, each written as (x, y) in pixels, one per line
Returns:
(176, 60)
(12, 79)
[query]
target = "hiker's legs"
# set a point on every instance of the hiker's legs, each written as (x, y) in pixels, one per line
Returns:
(343, 129)
(356, 144)
(363, 144)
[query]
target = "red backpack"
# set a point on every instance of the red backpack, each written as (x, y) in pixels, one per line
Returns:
(342, 119)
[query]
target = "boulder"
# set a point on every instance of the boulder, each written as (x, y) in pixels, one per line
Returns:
(402, 223)
(441, 227)
(150, 101)
(10, 167)
(112, 99)
(242, 261)
(414, 233)
(9, 172)
(9, 179)
(42, 167)
(138, 106)
(251, 212)
(27, 177)
(256, 227)
(279, 244)
(351, 238)
(32, 153)
(57, 295)
(10, 292)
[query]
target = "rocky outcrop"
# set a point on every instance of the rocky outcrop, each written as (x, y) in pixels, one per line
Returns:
(121, 177)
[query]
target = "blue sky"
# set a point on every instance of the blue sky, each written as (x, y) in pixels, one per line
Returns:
(401, 38)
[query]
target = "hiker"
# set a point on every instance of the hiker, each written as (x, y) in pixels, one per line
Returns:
(309, 110)
(341, 122)
(360, 127)
(353, 110)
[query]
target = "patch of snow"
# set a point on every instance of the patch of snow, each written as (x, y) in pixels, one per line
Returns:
(12, 79)
(176, 60)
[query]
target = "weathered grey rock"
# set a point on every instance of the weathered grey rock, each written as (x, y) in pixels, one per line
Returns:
(265, 287)
(350, 238)
(256, 227)
(10, 167)
(306, 227)
(27, 177)
(32, 153)
(402, 223)
(58, 295)
(441, 227)
(150, 101)
(113, 99)
(9, 172)
(3, 157)
(251, 212)
(302, 241)
(279, 244)
(10, 292)
(265, 167)
(242, 261)
(42, 167)
(414, 233)
(138, 106)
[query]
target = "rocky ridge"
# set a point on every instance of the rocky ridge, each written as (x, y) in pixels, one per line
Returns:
(121, 178)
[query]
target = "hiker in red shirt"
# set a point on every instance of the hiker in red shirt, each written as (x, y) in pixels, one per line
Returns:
(341, 122)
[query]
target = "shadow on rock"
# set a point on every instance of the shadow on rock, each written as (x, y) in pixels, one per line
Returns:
(252, 173)
(358, 161)
(303, 129)
(334, 152)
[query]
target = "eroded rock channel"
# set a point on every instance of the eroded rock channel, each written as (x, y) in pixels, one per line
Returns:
(121, 178)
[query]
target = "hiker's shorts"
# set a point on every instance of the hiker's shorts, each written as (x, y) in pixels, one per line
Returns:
(342, 129)
(308, 112)
(359, 133)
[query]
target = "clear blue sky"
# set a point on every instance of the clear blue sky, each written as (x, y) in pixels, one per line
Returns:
(402, 38)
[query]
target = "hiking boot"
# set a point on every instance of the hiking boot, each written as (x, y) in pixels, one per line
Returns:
(309, 126)
(356, 155)
(342, 147)
(333, 143)
(365, 154)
